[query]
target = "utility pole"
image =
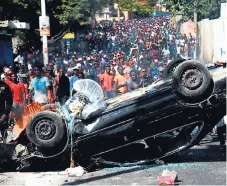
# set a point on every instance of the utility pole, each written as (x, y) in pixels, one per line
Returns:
(45, 41)
(196, 30)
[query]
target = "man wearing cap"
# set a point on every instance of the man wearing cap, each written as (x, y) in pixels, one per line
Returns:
(8, 74)
(74, 77)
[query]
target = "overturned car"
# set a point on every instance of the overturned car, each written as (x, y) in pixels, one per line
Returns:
(164, 116)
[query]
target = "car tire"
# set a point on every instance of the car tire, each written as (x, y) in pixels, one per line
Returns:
(172, 66)
(46, 129)
(192, 80)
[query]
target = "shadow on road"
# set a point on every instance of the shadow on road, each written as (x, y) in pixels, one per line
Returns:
(208, 152)
(201, 153)
(96, 178)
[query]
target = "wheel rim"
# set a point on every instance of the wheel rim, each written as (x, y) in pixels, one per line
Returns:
(192, 79)
(45, 129)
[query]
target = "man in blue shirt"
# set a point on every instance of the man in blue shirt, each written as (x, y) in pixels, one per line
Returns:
(40, 87)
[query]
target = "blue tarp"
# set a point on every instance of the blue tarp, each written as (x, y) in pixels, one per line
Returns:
(6, 51)
(160, 14)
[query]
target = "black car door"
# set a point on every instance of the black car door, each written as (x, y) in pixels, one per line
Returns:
(150, 114)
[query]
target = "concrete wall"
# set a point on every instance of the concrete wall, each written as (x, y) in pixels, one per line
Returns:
(212, 36)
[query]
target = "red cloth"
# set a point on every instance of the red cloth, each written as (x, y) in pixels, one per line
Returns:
(18, 93)
(107, 81)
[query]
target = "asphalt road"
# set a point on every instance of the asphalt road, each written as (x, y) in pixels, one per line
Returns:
(201, 165)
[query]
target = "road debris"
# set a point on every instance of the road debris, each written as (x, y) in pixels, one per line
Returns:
(71, 172)
(167, 178)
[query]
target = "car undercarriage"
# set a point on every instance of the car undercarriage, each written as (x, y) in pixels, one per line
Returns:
(165, 118)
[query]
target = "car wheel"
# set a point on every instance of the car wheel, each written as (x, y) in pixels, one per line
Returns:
(172, 66)
(45, 129)
(192, 80)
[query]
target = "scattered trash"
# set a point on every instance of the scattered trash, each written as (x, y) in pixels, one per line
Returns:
(77, 171)
(167, 178)
(20, 151)
(71, 172)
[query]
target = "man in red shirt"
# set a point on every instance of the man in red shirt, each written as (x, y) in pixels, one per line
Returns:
(107, 82)
(119, 80)
(18, 90)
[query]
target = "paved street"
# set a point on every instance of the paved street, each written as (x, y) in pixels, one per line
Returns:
(201, 165)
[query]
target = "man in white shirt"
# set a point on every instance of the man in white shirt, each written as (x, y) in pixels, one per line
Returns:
(165, 52)
(19, 59)
(66, 62)
(29, 66)
(182, 42)
(113, 38)
(178, 51)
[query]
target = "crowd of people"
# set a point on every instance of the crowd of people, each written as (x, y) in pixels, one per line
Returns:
(122, 57)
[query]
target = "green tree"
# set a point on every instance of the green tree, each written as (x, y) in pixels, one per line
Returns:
(205, 8)
(62, 13)
(126, 5)
(144, 8)
(82, 10)
(140, 7)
